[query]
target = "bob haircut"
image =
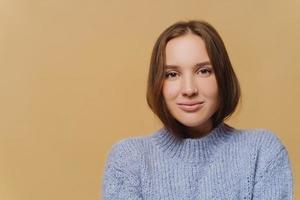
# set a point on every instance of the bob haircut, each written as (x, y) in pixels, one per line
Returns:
(228, 84)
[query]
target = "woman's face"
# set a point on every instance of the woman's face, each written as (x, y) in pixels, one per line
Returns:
(190, 88)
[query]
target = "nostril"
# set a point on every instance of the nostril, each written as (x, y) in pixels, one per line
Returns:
(190, 92)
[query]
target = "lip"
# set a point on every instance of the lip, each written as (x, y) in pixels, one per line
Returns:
(190, 106)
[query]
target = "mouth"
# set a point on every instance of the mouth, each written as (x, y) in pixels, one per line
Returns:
(190, 107)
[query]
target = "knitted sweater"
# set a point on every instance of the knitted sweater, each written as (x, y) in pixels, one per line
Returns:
(226, 164)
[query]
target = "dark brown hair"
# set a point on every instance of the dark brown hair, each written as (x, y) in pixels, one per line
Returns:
(228, 84)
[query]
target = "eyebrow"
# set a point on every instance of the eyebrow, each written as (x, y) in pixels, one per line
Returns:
(196, 65)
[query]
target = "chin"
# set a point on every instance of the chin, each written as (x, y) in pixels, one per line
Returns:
(193, 124)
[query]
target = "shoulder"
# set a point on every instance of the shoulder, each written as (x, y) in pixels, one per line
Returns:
(264, 143)
(127, 149)
(270, 155)
(262, 138)
(122, 169)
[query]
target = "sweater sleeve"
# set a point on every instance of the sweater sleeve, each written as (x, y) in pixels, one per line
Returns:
(274, 180)
(121, 180)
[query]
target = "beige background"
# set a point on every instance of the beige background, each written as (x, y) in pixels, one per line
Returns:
(73, 78)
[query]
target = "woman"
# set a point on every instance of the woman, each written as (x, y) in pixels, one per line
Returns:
(192, 88)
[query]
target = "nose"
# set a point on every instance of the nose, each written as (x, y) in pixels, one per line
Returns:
(189, 88)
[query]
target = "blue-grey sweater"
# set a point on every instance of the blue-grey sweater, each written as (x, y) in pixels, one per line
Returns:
(226, 164)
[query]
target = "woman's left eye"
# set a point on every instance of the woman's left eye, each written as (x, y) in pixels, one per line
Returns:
(205, 71)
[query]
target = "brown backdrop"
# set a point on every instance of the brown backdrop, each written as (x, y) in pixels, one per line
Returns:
(73, 78)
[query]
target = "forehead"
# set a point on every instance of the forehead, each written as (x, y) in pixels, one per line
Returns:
(186, 49)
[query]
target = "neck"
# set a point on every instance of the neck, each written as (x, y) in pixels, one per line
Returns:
(201, 131)
(192, 150)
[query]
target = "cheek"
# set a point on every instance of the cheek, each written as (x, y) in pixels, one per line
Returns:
(170, 90)
(211, 89)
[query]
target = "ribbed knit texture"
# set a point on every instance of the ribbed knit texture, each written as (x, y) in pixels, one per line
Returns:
(226, 164)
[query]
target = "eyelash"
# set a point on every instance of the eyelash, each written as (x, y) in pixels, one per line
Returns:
(167, 74)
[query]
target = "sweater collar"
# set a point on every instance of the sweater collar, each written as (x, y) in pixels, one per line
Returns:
(192, 149)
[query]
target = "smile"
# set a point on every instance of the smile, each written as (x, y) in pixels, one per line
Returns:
(190, 108)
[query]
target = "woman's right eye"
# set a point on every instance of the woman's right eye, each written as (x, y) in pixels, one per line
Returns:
(171, 74)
